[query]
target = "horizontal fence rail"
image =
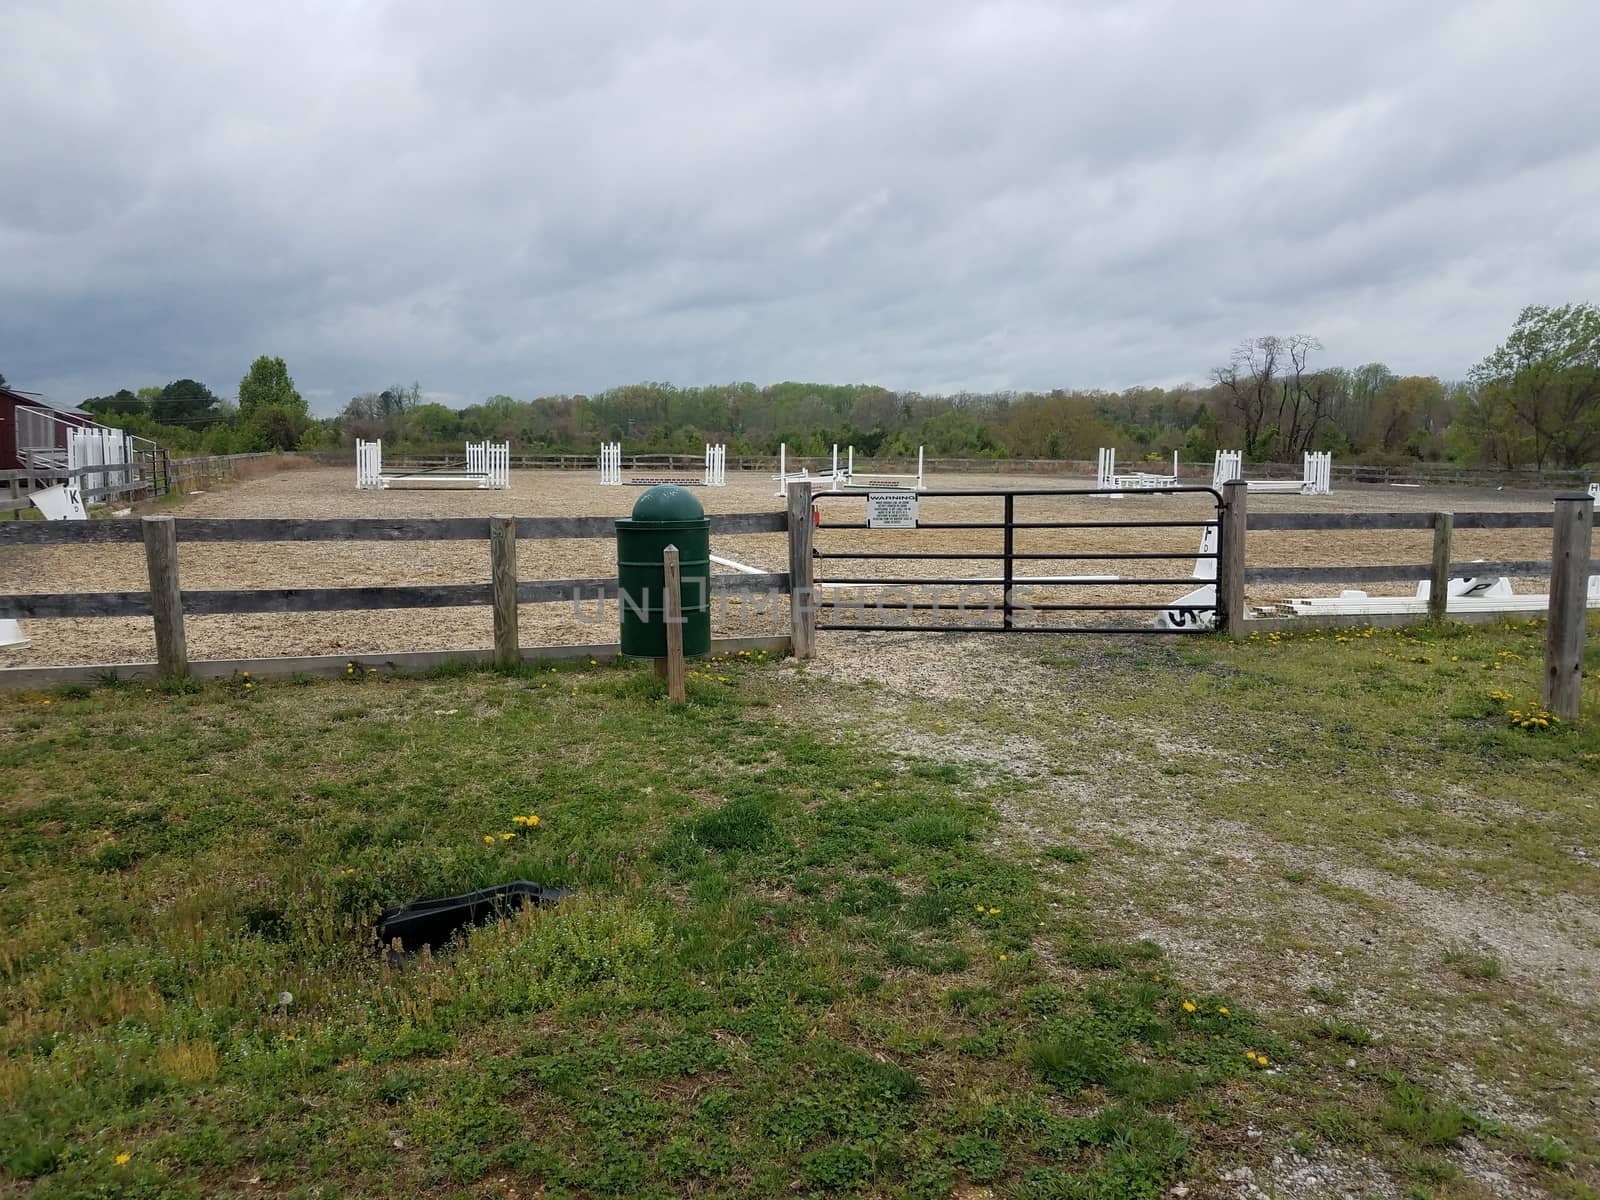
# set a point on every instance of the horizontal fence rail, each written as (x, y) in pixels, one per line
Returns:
(199, 603)
(352, 529)
(1263, 522)
(1396, 573)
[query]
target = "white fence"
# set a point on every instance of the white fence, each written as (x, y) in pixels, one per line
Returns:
(98, 446)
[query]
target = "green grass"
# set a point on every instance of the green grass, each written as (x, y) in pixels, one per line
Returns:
(191, 978)
(793, 962)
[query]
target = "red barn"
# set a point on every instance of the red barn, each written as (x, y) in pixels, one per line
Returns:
(32, 423)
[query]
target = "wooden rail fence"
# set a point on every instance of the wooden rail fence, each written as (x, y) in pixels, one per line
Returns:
(1568, 570)
(169, 603)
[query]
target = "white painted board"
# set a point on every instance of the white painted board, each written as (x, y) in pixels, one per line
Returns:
(891, 510)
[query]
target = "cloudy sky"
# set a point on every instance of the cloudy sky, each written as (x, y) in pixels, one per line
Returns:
(527, 197)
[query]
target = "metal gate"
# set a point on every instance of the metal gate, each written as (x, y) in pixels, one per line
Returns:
(1196, 612)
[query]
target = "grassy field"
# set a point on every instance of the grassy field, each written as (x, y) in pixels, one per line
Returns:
(1125, 917)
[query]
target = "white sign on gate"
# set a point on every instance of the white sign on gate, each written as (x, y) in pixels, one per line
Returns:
(891, 510)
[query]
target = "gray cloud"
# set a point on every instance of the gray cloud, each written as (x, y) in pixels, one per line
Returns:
(531, 197)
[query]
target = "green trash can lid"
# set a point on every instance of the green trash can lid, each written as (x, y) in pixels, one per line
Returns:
(668, 502)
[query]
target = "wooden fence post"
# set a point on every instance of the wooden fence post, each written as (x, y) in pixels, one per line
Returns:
(1439, 581)
(1569, 615)
(672, 581)
(1230, 558)
(802, 610)
(166, 600)
(503, 588)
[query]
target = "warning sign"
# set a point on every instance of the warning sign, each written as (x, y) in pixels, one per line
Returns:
(891, 510)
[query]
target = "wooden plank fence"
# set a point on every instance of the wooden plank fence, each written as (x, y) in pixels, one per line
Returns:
(130, 477)
(1569, 569)
(169, 604)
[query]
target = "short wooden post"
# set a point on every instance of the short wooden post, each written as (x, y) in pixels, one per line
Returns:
(503, 588)
(672, 581)
(802, 610)
(166, 600)
(1230, 558)
(1439, 581)
(1569, 589)
(16, 496)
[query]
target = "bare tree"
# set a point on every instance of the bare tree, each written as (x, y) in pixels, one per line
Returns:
(1304, 397)
(1248, 383)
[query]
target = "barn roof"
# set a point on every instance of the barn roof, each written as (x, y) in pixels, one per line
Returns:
(38, 401)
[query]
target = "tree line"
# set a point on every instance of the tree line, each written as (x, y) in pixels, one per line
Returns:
(1533, 402)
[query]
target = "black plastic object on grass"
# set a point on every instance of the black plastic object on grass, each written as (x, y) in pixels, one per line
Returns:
(434, 922)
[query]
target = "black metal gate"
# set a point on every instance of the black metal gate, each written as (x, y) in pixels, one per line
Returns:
(1185, 616)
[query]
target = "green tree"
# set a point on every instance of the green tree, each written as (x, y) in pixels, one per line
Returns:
(270, 406)
(265, 384)
(1541, 386)
(121, 403)
(2, 379)
(184, 401)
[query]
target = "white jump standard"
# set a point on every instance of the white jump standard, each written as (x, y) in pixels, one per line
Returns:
(487, 466)
(716, 465)
(1316, 477)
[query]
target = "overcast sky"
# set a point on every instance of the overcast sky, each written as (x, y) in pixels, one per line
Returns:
(529, 197)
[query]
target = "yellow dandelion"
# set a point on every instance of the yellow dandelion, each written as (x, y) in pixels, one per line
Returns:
(1003, 958)
(980, 908)
(488, 839)
(244, 674)
(532, 819)
(1263, 1060)
(1158, 979)
(1251, 1055)
(1223, 1009)
(1188, 1006)
(248, 686)
(994, 912)
(506, 837)
(123, 1159)
(875, 783)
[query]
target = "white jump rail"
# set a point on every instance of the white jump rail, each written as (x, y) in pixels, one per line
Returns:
(1316, 477)
(488, 465)
(879, 479)
(611, 464)
(1108, 478)
(1465, 595)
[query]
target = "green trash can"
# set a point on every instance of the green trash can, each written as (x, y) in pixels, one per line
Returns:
(666, 515)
